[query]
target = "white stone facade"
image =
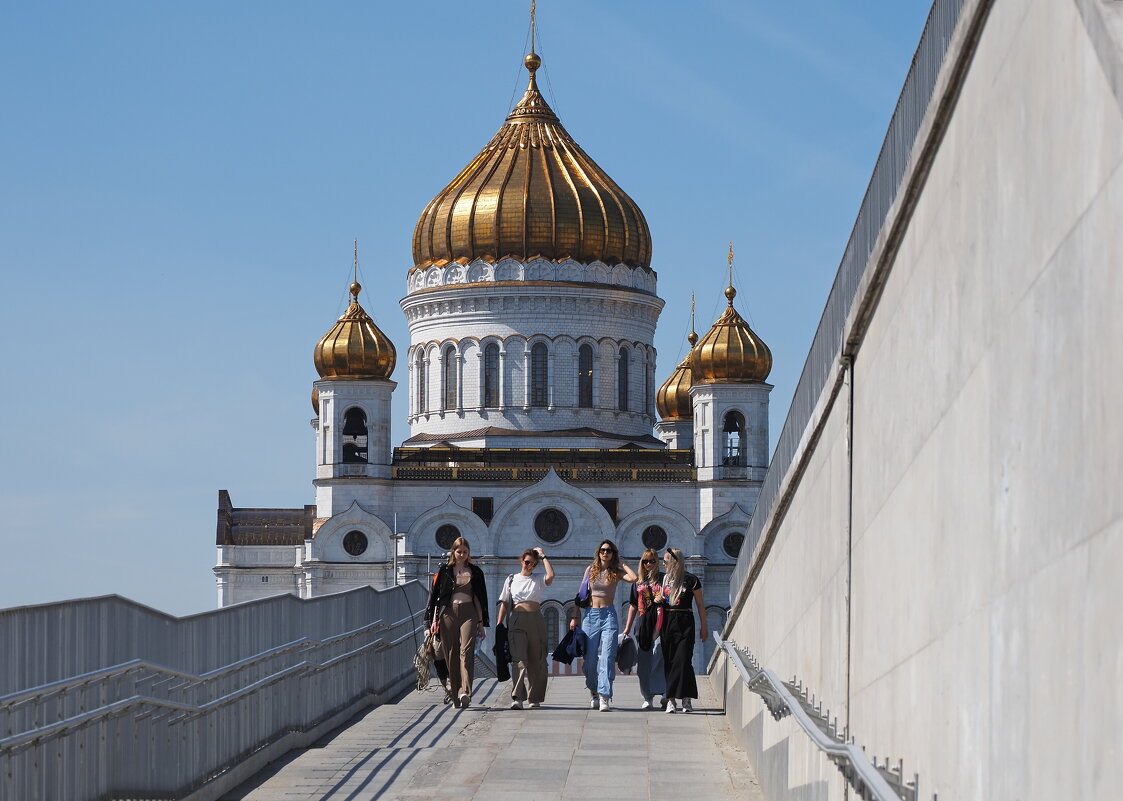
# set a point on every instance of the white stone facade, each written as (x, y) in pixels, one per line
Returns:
(607, 476)
(605, 330)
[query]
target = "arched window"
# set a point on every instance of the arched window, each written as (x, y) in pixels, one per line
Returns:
(422, 384)
(354, 435)
(553, 627)
(585, 377)
(449, 376)
(539, 375)
(491, 375)
(622, 380)
(733, 434)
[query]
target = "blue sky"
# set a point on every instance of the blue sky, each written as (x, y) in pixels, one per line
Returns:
(180, 186)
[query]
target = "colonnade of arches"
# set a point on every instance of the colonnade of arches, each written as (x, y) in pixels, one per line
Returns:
(534, 373)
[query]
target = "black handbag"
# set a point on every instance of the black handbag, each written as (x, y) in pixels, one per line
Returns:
(583, 597)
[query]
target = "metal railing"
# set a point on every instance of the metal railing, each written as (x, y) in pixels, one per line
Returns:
(888, 176)
(200, 695)
(871, 781)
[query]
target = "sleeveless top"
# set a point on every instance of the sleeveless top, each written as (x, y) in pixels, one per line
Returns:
(463, 591)
(603, 589)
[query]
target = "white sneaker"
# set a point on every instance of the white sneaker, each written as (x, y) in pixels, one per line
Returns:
(671, 706)
(687, 706)
(646, 704)
(534, 705)
(517, 704)
(593, 702)
(605, 704)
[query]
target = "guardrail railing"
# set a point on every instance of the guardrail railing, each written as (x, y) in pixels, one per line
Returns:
(870, 780)
(178, 721)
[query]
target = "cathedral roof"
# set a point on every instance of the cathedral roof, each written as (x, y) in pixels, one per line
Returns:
(730, 352)
(354, 347)
(532, 192)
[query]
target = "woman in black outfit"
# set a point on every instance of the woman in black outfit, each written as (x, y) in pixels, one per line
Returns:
(458, 611)
(679, 590)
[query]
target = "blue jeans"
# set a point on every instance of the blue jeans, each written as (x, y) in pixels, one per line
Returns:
(649, 667)
(602, 627)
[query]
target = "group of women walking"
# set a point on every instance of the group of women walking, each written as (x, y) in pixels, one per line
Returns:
(661, 610)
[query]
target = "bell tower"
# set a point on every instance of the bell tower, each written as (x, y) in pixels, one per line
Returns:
(352, 405)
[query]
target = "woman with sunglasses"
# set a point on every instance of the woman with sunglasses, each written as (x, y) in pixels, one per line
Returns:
(602, 626)
(646, 596)
(679, 590)
(526, 635)
(458, 611)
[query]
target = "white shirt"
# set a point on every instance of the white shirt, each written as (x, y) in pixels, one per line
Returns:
(524, 588)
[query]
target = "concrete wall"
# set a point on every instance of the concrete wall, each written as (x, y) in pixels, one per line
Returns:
(980, 637)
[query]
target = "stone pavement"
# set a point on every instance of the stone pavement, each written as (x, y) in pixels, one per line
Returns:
(420, 748)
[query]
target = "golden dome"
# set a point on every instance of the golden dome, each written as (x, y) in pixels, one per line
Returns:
(316, 401)
(730, 352)
(532, 191)
(355, 347)
(672, 401)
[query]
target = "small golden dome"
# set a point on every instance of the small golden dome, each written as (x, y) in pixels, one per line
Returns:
(730, 352)
(532, 192)
(355, 347)
(672, 401)
(316, 401)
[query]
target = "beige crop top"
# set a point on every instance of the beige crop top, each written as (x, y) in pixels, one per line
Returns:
(603, 588)
(463, 591)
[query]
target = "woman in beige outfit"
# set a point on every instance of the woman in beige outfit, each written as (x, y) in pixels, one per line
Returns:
(526, 628)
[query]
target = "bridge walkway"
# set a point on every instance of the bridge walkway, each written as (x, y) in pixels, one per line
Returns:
(420, 748)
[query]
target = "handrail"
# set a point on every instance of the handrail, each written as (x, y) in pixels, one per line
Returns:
(62, 685)
(871, 781)
(269, 676)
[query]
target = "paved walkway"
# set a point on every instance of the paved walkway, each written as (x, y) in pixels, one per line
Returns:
(420, 748)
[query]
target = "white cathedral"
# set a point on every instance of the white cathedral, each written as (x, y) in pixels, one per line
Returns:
(532, 307)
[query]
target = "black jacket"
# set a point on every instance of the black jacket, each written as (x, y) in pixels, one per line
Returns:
(444, 584)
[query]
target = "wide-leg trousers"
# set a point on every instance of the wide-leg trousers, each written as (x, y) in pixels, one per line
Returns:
(458, 645)
(526, 636)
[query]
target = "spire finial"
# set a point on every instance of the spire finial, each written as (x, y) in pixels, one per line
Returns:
(692, 337)
(730, 292)
(532, 61)
(356, 287)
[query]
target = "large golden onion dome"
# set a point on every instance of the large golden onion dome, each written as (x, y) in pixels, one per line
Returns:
(355, 347)
(532, 192)
(730, 352)
(672, 401)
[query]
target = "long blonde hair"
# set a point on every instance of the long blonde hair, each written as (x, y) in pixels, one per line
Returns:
(456, 543)
(672, 583)
(648, 574)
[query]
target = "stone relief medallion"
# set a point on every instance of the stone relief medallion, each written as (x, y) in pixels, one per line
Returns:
(355, 543)
(733, 542)
(446, 535)
(551, 525)
(654, 537)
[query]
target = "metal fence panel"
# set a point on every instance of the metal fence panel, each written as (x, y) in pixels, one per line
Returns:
(104, 697)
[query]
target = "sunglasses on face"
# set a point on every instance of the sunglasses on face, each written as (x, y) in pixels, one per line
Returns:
(530, 561)
(607, 550)
(649, 561)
